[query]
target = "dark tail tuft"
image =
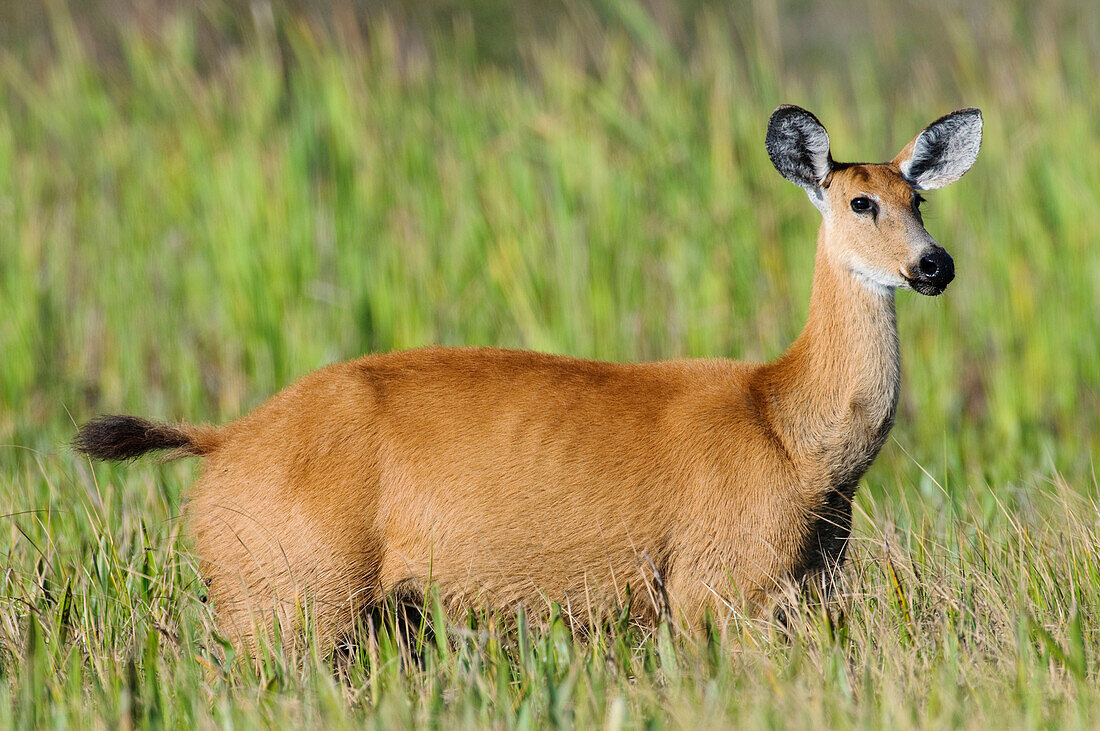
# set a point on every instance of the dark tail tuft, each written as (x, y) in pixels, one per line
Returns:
(117, 437)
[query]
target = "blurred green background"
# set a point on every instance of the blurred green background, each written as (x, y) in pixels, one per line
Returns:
(200, 202)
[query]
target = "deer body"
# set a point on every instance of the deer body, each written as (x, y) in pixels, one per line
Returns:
(510, 477)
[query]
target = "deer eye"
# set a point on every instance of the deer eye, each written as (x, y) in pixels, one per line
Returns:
(863, 205)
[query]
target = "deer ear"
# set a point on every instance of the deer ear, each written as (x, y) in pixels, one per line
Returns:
(798, 146)
(943, 151)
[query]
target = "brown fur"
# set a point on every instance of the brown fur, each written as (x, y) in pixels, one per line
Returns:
(508, 477)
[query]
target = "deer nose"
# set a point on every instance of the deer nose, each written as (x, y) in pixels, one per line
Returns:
(934, 271)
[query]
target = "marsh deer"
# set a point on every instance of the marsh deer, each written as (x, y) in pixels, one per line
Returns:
(505, 477)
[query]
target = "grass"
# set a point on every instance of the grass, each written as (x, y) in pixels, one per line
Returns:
(180, 237)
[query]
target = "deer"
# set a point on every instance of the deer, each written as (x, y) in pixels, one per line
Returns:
(680, 489)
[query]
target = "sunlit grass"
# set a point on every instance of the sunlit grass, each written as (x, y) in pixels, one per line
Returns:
(181, 239)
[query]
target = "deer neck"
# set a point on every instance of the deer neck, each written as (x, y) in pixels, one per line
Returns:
(831, 398)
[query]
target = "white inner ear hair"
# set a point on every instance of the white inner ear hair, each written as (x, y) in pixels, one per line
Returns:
(817, 197)
(817, 145)
(944, 151)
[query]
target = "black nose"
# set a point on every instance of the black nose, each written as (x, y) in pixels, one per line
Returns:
(935, 269)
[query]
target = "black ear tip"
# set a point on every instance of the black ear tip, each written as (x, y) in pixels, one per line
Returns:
(972, 113)
(788, 111)
(784, 108)
(777, 116)
(973, 116)
(790, 119)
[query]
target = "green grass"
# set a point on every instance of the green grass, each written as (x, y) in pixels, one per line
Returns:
(181, 237)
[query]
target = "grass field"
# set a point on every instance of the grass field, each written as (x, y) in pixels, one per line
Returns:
(180, 237)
